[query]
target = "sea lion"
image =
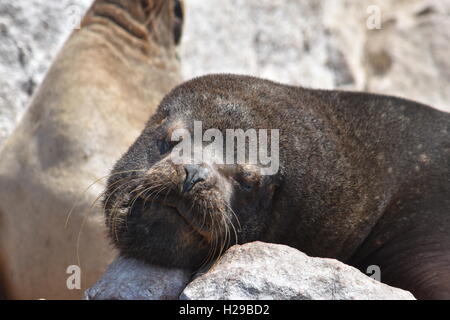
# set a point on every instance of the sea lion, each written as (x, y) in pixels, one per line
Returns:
(362, 178)
(93, 103)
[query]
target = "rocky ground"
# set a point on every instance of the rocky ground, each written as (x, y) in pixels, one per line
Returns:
(263, 271)
(254, 271)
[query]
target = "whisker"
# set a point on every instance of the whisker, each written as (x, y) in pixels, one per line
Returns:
(83, 221)
(235, 215)
(232, 224)
(76, 202)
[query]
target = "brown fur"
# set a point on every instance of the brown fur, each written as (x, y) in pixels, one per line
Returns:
(364, 179)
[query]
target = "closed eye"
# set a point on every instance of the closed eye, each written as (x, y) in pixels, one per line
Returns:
(165, 146)
(245, 186)
(244, 182)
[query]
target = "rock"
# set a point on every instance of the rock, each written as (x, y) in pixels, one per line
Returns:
(129, 279)
(31, 34)
(281, 40)
(326, 44)
(269, 271)
(406, 56)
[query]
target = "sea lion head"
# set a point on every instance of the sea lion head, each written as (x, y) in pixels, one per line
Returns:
(185, 210)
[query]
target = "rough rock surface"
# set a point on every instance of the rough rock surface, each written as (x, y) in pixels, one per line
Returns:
(31, 34)
(322, 43)
(326, 44)
(129, 279)
(268, 271)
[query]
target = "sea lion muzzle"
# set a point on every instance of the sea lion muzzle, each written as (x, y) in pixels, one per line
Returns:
(194, 174)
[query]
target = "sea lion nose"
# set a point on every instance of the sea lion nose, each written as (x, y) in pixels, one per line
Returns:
(194, 174)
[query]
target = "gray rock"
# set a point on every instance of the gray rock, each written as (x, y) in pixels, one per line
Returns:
(31, 34)
(129, 279)
(268, 271)
(326, 44)
(407, 56)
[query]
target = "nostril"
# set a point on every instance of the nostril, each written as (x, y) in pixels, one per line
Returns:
(194, 174)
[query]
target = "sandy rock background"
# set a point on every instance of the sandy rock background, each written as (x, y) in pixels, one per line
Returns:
(314, 43)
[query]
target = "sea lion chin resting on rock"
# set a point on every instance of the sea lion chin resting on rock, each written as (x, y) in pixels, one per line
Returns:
(362, 178)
